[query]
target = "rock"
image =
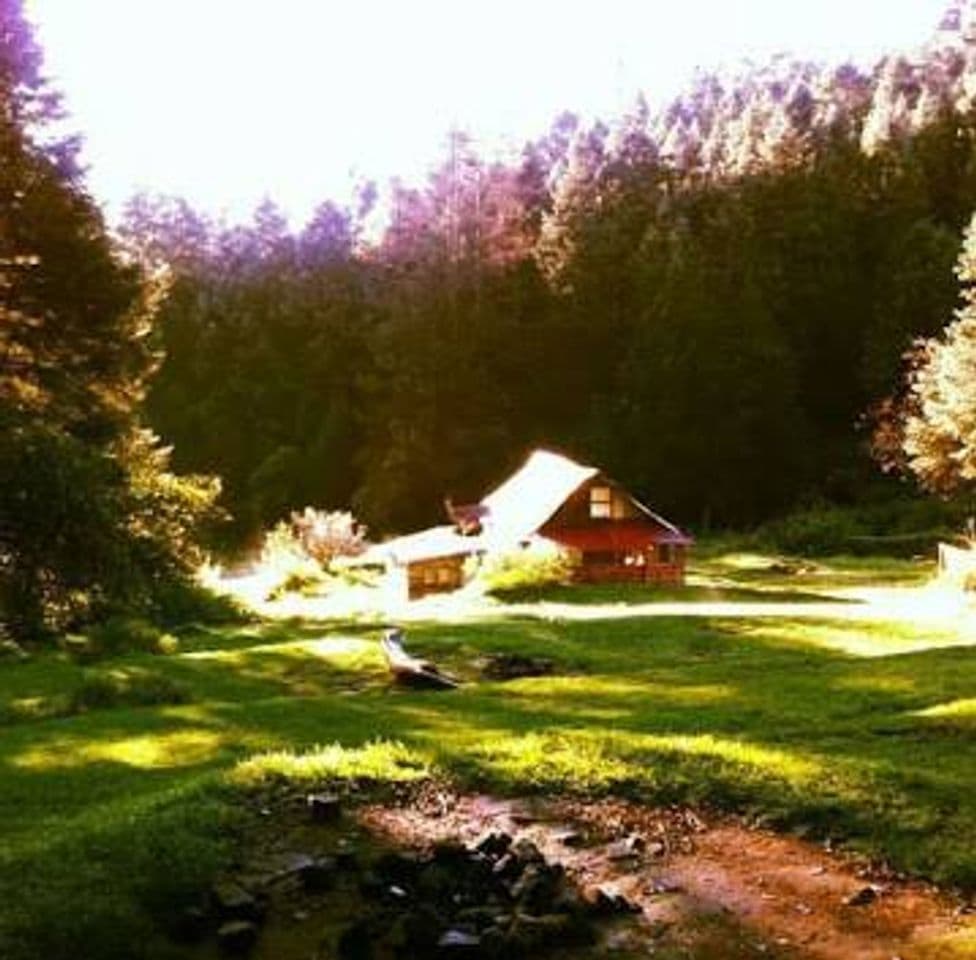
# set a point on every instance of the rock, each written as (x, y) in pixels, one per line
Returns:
(570, 901)
(493, 844)
(457, 942)
(323, 807)
(626, 849)
(527, 852)
(538, 887)
(437, 883)
(529, 934)
(607, 902)
(232, 902)
(319, 874)
(494, 944)
(399, 868)
(237, 937)
(511, 666)
(569, 838)
(482, 917)
(355, 942)
(416, 932)
(189, 925)
(371, 885)
(507, 868)
(863, 897)
(450, 853)
(346, 858)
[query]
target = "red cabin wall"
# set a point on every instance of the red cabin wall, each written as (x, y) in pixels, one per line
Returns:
(628, 546)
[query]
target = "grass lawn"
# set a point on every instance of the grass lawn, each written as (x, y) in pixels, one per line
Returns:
(114, 806)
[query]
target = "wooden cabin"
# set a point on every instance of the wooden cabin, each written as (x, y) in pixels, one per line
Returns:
(614, 536)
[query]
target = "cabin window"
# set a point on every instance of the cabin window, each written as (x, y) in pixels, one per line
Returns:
(444, 575)
(665, 553)
(600, 503)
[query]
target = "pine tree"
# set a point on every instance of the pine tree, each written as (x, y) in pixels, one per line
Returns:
(75, 534)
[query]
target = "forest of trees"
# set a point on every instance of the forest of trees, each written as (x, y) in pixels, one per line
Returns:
(709, 300)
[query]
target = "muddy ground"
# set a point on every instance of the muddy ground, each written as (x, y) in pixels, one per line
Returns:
(706, 886)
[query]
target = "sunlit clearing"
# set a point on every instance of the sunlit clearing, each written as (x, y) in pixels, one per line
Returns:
(878, 684)
(325, 647)
(639, 691)
(181, 748)
(955, 710)
(379, 760)
(778, 763)
(591, 760)
(869, 639)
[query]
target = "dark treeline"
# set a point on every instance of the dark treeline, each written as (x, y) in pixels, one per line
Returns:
(705, 300)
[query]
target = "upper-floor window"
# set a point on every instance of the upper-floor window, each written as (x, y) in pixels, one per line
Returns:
(601, 503)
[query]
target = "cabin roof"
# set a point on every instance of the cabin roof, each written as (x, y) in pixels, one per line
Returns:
(513, 512)
(528, 498)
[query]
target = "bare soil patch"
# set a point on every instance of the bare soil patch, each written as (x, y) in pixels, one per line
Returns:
(677, 883)
(707, 887)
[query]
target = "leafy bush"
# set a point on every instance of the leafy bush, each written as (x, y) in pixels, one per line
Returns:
(181, 600)
(298, 552)
(326, 535)
(505, 573)
(899, 527)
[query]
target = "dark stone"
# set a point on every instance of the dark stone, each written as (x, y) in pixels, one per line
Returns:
(508, 867)
(570, 901)
(237, 937)
(416, 932)
(355, 942)
(626, 849)
(457, 942)
(319, 875)
(608, 903)
(399, 868)
(450, 854)
(189, 925)
(232, 902)
(371, 885)
(347, 858)
(527, 852)
(493, 844)
(570, 838)
(494, 943)
(511, 666)
(481, 917)
(863, 897)
(530, 934)
(538, 887)
(437, 883)
(324, 807)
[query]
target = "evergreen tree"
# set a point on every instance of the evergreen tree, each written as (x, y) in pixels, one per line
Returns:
(77, 532)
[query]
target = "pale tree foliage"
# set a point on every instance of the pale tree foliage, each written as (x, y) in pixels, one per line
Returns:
(940, 428)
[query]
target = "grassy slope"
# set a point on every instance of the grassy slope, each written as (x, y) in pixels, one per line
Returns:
(863, 731)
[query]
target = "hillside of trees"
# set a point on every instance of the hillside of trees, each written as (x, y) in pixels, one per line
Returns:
(713, 301)
(708, 300)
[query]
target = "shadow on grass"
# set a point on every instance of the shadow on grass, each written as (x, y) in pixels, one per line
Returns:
(779, 720)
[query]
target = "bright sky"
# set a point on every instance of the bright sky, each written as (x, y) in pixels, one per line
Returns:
(227, 101)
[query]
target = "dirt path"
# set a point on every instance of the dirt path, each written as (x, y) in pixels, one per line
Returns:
(709, 889)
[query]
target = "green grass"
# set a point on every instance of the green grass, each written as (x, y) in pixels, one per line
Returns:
(865, 732)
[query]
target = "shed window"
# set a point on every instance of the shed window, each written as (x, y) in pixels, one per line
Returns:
(600, 503)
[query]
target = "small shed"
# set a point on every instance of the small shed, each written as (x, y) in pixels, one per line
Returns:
(611, 533)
